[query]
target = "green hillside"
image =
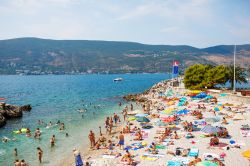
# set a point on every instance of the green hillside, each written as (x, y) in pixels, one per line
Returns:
(42, 56)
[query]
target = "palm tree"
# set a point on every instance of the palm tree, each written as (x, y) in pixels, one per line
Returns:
(240, 76)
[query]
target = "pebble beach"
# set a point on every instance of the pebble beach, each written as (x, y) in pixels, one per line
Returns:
(169, 107)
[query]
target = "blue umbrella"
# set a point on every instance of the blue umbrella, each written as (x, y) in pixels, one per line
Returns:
(201, 95)
(142, 119)
(182, 112)
(141, 115)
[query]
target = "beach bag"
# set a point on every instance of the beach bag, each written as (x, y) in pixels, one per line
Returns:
(178, 152)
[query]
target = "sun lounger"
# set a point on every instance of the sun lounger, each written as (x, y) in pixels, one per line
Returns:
(193, 152)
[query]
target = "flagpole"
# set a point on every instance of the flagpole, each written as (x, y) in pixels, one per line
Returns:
(234, 69)
(173, 74)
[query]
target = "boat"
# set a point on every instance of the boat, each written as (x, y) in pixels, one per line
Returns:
(118, 79)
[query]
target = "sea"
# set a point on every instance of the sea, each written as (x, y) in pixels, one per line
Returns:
(60, 97)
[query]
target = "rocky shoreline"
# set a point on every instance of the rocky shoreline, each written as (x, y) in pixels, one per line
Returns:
(8, 111)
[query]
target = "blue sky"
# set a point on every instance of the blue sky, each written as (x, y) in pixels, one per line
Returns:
(199, 23)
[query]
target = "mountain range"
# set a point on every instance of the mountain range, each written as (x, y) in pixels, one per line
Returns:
(45, 56)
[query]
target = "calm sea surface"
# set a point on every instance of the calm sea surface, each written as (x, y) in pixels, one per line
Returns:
(56, 98)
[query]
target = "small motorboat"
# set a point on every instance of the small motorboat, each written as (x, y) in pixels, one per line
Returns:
(118, 79)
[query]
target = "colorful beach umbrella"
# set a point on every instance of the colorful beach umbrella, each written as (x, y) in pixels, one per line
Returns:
(142, 119)
(209, 129)
(160, 123)
(212, 119)
(182, 112)
(246, 154)
(169, 111)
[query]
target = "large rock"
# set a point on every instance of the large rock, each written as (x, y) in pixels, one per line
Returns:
(13, 111)
(2, 120)
(8, 111)
(25, 107)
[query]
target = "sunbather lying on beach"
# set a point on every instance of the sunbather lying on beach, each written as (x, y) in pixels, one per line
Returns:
(214, 141)
(152, 148)
(127, 158)
(138, 135)
(217, 161)
(195, 161)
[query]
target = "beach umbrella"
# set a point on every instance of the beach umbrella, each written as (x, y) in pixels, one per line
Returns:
(142, 119)
(206, 163)
(141, 115)
(209, 129)
(201, 95)
(131, 118)
(182, 112)
(169, 111)
(169, 93)
(218, 108)
(223, 94)
(160, 123)
(212, 119)
(209, 97)
(246, 154)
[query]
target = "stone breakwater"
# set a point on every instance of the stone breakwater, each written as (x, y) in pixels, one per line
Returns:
(8, 111)
(141, 97)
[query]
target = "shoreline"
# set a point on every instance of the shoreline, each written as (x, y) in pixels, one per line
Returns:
(149, 95)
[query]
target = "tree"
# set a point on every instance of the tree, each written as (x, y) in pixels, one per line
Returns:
(194, 76)
(240, 76)
(216, 75)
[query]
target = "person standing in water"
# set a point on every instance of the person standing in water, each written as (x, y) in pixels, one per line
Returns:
(92, 139)
(78, 158)
(37, 133)
(40, 154)
(15, 152)
(52, 141)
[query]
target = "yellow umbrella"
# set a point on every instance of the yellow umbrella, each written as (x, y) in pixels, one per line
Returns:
(246, 154)
(169, 110)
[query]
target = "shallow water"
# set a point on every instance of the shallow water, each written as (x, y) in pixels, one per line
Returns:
(56, 98)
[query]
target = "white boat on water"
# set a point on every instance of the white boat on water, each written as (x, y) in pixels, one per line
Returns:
(118, 79)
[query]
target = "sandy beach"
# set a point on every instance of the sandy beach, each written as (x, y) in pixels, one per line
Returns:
(163, 102)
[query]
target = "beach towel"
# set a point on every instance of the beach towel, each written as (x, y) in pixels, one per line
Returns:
(160, 147)
(148, 158)
(220, 145)
(78, 160)
(108, 156)
(210, 156)
(154, 155)
(193, 152)
(174, 163)
(182, 160)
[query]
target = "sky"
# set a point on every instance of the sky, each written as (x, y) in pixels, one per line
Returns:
(199, 23)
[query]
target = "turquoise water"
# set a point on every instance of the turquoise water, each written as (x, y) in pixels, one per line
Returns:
(57, 98)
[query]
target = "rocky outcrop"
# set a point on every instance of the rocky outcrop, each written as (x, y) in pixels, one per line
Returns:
(25, 107)
(8, 111)
(135, 97)
(2, 120)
